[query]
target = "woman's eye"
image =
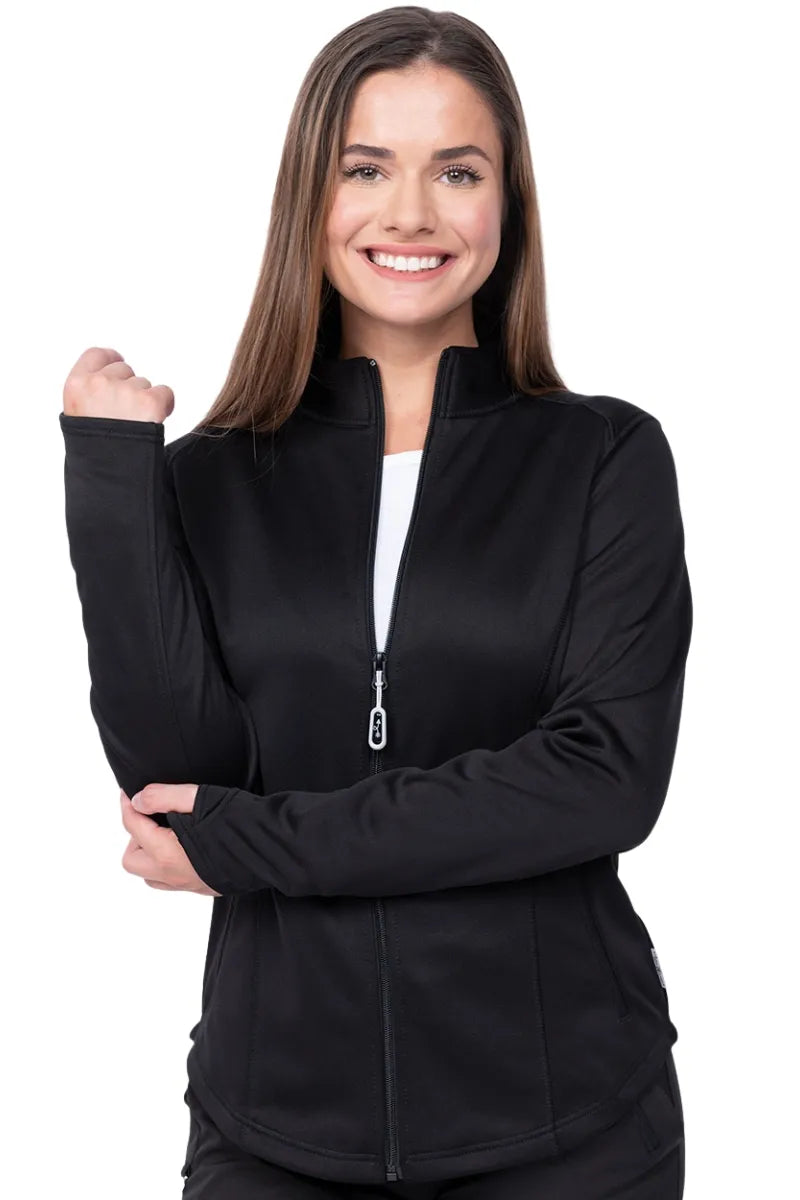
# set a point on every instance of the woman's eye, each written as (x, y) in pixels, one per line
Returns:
(464, 171)
(469, 174)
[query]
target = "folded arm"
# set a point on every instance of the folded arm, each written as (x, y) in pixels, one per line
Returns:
(588, 780)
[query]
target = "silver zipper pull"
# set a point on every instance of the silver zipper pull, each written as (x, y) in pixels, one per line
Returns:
(376, 734)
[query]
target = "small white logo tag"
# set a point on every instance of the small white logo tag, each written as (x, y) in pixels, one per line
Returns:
(658, 967)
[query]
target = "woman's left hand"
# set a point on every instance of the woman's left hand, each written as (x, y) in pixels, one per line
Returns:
(155, 853)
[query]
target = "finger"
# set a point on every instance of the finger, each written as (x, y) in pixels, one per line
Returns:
(166, 887)
(143, 829)
(138, 861)
(94, 359)
(165, 797)
(118, 370)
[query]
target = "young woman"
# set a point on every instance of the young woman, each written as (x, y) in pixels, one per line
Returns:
(396, 672)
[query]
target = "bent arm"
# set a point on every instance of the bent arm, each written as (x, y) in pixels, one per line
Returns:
(164, 706)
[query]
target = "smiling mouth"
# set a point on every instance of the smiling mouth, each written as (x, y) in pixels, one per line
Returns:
(409, 273)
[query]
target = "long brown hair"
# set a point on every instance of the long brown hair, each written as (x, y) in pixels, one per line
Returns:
(295, 311)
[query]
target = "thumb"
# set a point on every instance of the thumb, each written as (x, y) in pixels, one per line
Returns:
(165, 797)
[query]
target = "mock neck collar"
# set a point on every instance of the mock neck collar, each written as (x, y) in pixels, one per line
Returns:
(472, 380)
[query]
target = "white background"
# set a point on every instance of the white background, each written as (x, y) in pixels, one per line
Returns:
(141, 144)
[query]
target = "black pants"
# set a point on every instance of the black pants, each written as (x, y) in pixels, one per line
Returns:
(640, 1157)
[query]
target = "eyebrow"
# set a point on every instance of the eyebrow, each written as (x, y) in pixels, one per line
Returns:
(436, 156)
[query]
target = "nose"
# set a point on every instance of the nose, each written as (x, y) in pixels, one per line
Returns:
(409, 208)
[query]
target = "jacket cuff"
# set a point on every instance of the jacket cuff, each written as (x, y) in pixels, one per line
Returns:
(70, 423)
(189, 828)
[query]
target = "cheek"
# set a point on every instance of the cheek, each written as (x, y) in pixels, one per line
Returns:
(347, 216)
(481, 230)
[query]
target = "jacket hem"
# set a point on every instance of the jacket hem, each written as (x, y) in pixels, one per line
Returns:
(326, 1163)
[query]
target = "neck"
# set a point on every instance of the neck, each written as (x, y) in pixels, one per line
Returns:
(408, 359)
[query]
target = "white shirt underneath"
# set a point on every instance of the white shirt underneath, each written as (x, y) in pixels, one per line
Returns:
(398, 487)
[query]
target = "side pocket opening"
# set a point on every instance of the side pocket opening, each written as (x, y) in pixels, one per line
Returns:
(222, 915)
(623, 1007)
(194, 1134)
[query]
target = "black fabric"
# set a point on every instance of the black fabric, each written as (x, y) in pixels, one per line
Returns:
(640, 1157)
(423, 962)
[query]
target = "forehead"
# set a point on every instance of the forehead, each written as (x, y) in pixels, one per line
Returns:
(414, 110)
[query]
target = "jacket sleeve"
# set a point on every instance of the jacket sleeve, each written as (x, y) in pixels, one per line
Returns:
(159, 692)
(588, 780)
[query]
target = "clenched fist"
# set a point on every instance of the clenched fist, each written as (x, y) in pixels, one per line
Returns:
(101, 384)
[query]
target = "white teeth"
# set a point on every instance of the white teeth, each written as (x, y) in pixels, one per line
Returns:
(405, 263)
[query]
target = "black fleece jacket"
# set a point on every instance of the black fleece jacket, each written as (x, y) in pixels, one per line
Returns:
(423, 961)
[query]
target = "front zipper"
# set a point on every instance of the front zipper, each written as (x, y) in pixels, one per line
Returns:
(377, 734)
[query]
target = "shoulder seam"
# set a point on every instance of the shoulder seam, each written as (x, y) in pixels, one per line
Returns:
(584, 401)
(612, 438)
(636, 420)
(587, 402)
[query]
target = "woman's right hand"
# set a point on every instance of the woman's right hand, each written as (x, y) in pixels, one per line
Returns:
(101, 384)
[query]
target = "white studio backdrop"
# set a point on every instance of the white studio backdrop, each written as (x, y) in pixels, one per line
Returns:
(141, 144)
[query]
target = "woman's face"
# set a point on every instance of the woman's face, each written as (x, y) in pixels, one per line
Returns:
(399, 192)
